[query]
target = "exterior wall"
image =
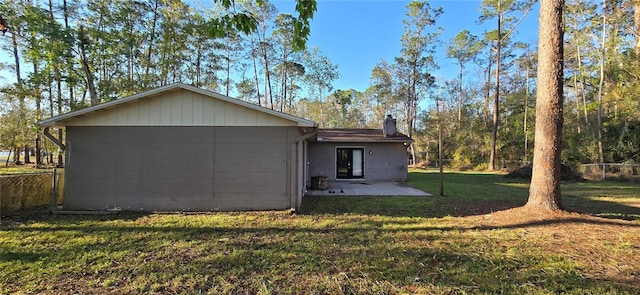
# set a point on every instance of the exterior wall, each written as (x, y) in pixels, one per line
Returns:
(180, 108)
(179, 168)
(383, 161)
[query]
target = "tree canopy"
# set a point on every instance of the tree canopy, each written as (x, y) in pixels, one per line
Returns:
(64, 55)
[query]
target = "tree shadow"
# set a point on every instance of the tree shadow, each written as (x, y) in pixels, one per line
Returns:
(365, 251)
(45, 215)
(438, 207)
(402, 206)
(468, 194)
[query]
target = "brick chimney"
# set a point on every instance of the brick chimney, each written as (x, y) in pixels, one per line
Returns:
(389, 126)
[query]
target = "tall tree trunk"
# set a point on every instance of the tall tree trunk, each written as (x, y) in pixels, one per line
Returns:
(267, 85)
(440, 158)
(460, 97)
(198, 65)
(227, 82)
(16, 59)
(38, 117)
(487, 93)
(72, 102)
(601, 85)
(526, 112)
(496, 100)
(283, 82)
(255, 72)
(22, 111)
(16, 155)
(151, 39)
(544, 192)
(6, 163)
(636, 23)
(85, 66)
(58, 77)
(577, 94)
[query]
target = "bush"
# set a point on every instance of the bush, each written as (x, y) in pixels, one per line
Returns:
(481, 167)
(567, 173)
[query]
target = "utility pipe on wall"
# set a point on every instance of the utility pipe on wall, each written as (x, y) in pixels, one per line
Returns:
(53, 139)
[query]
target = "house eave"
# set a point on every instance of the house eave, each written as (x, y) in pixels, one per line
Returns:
(364, 141)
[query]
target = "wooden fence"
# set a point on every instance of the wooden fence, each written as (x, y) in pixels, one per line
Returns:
(26, 191)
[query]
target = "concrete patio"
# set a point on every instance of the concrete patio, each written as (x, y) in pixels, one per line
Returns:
(350, 188)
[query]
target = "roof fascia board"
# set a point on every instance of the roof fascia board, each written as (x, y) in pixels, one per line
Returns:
(364, 141)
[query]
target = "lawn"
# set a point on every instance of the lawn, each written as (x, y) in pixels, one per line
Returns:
(472, 240)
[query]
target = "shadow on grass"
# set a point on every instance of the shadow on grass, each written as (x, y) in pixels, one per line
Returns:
(364, 251)
(44, 215)
(466, 194)
(401, 206)
(469, 194)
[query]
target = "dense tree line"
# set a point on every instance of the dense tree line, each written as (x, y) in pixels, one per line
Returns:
(66, 55)
(601, 101)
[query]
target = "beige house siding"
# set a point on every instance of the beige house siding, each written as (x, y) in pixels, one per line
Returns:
(181, 168)
(179, 108)
(178, 147)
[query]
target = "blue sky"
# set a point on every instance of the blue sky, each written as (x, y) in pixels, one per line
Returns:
(357, 34)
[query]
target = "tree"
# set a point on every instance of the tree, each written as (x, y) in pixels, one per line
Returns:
(319, 76)
(544, 193)
(463, 47)
(416, 60)
(283, 34)
(246, 22)
(501, 10)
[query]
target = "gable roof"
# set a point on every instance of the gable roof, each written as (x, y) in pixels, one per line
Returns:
(359, 135)
(114, 109)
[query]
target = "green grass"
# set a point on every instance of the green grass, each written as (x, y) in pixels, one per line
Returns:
(21, 170)
(335, 245)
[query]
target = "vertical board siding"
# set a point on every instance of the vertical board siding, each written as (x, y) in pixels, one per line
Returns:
(187, 110)
(208, 113)
(197, 109)
(180, 108)
(219, 113)
(241, 116)
(176, 109)
(165, 111)
(144, 111)
(229, 114)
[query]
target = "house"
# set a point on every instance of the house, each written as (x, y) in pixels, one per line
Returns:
(359, 154)
(179, 147)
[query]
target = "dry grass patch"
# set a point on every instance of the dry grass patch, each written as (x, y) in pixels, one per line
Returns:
(606, 249)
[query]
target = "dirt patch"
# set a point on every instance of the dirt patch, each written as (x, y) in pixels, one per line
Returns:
(594, 243)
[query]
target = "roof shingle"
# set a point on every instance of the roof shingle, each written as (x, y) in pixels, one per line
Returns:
(359, 135)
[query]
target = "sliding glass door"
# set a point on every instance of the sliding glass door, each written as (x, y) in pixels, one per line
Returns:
(349, 163)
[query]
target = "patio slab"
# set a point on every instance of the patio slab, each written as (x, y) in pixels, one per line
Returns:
(350, 188)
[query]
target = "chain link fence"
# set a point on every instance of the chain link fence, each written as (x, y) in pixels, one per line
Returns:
(598, 171)
(506, 165)
(26, 191)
